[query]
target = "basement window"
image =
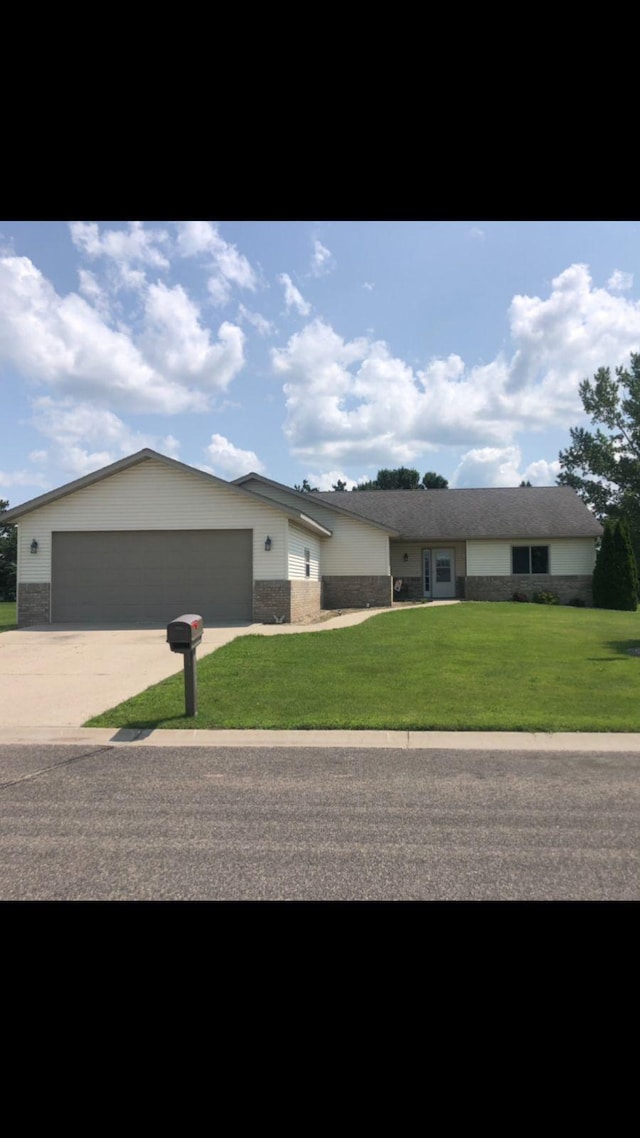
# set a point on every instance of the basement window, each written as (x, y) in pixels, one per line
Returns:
(529, 558)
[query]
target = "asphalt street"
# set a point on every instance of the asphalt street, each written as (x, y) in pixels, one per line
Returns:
(100, 822)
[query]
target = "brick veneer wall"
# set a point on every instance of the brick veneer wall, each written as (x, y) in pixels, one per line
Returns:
(356, 592)
(34, 604)
(503, 588)
(305, 599)
(413, 589)
(271, 599)
(294, 600)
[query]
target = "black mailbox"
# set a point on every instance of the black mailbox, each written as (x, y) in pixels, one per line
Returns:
(185, 632)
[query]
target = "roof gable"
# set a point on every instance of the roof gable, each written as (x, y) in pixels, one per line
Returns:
(146, 455)
(276, 491)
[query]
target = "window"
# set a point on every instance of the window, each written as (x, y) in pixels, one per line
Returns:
(307, 562)
(529, 558)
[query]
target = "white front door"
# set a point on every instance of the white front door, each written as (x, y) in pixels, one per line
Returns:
(439, 573)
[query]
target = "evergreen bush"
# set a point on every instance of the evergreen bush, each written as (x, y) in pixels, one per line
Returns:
(615, 576)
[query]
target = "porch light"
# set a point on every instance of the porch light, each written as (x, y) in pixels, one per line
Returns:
(267, 545)
(34, 546)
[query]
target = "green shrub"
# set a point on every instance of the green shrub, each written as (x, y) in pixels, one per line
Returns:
(546, 599)
(615, 576)
(522, 597)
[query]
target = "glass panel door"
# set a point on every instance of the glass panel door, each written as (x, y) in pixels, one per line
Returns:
(444, 584)
(426, 560)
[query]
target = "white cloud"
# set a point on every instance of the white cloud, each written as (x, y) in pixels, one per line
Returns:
(619, 281)
(568, 336)
(369, 286)
(176, 341)
(169, 445)
(229, 268)
(229, 461)
(197, 237)
(95, 293)
(488, 466)
(135, 245)
(354, 401)
(20, 478)
(541, 473)
(476, 233)
(263, 327)
(64, 342)
(329, 478)
(501, 466)
(321, 261)
(74, 427)
(292, 297)
(349, 402)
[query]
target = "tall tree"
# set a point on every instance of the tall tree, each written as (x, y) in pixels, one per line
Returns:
(339, 485)
(603, 466)
(433, 481)
(401, 479)
(626, 568)
(8, 556)
(615, 577)
(306, 487)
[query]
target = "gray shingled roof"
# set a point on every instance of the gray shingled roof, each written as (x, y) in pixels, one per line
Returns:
(452, 515)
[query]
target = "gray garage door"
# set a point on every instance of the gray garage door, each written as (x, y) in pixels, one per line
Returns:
(151, 577)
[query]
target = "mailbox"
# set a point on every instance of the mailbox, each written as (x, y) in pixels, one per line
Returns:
(185, 632)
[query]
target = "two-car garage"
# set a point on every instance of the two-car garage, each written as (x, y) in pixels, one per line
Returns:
(151, 576)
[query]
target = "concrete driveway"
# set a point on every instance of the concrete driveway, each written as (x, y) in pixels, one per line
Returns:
(60, 675)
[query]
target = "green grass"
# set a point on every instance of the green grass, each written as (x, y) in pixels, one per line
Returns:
(7, 615)
(505, 667)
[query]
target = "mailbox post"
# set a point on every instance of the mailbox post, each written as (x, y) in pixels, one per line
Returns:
(184, 635)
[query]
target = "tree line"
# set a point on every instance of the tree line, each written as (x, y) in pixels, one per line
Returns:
(402, 478)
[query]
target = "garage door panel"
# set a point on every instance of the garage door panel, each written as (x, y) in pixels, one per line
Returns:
(118, 576)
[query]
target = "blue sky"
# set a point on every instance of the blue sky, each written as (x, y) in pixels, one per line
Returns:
(306, 349)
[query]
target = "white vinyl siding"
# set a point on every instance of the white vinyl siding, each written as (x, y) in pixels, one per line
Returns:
(355, 549)
(152, 496)
(299, 541)
(572, 556)
(567, 556)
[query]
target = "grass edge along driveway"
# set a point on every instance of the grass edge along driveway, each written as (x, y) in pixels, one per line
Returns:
(469, 667)
(8, 620)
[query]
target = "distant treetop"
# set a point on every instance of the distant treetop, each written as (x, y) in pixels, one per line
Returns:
(404, 478)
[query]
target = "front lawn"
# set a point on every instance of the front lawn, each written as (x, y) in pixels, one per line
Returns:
(504, 667)
(7, 615)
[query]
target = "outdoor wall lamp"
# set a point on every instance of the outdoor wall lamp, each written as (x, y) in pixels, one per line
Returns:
(34, 546)
(406, 557)
(267, 545)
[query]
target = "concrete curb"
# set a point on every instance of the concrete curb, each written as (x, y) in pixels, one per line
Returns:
(586, 742)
